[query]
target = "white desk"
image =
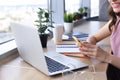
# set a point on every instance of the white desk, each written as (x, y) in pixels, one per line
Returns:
(17, 69)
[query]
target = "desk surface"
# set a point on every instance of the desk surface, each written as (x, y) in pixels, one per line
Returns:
(14, 68)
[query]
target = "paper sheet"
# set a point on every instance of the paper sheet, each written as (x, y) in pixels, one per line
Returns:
(67, 48)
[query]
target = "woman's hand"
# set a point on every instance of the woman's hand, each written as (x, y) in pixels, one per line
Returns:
(94, 51)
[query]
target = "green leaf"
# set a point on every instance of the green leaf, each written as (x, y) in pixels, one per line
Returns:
(68, 17)
(44, 20)
(42, 29)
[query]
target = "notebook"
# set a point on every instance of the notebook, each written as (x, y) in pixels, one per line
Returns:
(69, 50)
(30, 49)
(79, 35)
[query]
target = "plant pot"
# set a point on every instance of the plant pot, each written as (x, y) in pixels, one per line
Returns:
(68, 28)
(85, 14)
(43, 38)
(81, 16)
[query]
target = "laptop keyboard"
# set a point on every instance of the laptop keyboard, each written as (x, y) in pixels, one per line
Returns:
(54, 66)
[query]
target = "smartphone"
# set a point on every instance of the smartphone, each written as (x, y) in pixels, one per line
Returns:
(79, 43)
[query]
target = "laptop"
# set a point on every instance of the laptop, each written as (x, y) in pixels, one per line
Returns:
(30, 49)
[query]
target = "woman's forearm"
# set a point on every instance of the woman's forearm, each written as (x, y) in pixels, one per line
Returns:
(92, 40)
(115, 61)
(102, 33)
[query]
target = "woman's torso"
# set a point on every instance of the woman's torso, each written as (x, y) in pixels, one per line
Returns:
(115, 39)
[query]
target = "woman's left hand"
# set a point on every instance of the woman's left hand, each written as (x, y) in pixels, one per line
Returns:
(93, 51)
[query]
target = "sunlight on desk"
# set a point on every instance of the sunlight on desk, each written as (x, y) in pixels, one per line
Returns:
(17, 69)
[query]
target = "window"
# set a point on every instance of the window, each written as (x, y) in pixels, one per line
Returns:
(94, 8)
(17, 10)
(72, 5)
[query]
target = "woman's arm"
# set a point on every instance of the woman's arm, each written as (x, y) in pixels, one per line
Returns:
(107, 57)
(100, 34)
(91, 50)
(114, 60)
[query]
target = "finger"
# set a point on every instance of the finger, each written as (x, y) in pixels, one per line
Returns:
(90, 45)
(85, 42)
(89, 54)
(87, 49)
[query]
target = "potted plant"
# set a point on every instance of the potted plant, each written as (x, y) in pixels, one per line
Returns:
(44, 24)
(68, 22)
(76, 16)
(81, 12)
(85, 11)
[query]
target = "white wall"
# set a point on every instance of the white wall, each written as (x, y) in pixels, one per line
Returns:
(103, 11)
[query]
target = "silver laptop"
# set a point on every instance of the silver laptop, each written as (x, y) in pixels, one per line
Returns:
(30, 50)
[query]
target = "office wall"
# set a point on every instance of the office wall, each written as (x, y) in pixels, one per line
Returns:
(103, 11)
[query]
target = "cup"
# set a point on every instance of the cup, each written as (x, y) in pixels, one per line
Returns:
(58, 32)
